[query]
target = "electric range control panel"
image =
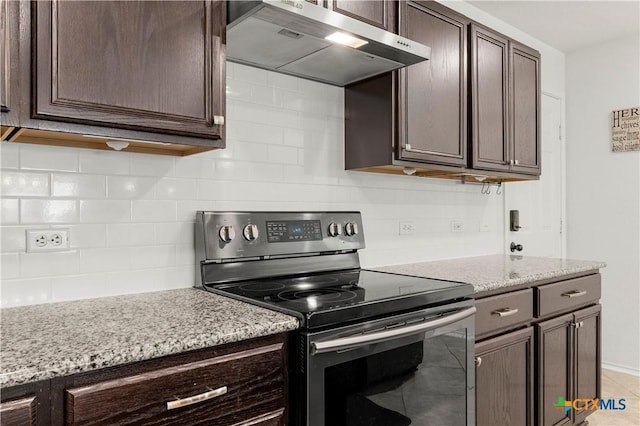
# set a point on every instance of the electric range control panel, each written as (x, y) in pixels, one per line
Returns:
(225, 235)
(294, 230)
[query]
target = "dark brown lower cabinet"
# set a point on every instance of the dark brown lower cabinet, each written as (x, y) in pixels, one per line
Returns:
(243, 383)
(569, 365)
(504, 380)
(537, 346)
(25, 405)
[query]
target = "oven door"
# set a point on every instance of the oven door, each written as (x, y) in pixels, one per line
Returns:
(411, 369)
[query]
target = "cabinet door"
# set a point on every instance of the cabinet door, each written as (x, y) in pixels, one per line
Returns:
(155, 66)
(587, 357)
(525, 109)
(489, 100)
(9, 81)
(375, 12)
(433, 94)
(18, 412)
(555, 369)
(504, 380)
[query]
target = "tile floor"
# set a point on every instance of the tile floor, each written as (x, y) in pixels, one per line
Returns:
(618, 385)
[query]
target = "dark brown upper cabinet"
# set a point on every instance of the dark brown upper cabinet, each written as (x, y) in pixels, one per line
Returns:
(376, 12)
(9, 82)
(472, 109)
(144, 65)
(525, 109)
(417, 115)
(505, 103)
(432, 95)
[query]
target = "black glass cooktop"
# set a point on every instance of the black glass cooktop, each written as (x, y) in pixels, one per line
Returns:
(342, 297)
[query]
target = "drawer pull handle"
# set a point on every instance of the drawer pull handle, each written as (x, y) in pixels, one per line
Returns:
(505, 312)
(196, 398)
(575, 293)
(478, 361)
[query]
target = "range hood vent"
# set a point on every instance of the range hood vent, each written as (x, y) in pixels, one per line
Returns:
(309, 41)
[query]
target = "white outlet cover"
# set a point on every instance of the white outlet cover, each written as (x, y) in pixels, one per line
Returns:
(55, 240)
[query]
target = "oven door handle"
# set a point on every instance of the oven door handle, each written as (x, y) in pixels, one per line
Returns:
(353, 342)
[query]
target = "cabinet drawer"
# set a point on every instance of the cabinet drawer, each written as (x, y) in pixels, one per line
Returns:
(223, 390)
(504, 310)
(18, 412)
(566, 295)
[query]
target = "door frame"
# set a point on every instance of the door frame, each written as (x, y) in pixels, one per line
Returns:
(563, 183)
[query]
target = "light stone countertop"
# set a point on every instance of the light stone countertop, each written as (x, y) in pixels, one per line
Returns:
(57, 339)
(494, 272)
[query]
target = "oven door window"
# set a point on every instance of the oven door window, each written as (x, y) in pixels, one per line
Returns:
(420, 383)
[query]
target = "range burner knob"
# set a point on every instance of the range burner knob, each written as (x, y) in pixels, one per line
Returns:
(335, 229)
(227, 233)
(351, 229)
(250, 232)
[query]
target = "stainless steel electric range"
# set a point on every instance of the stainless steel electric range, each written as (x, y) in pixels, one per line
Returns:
(374, 348)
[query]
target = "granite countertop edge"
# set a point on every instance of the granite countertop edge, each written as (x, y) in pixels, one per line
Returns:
(528, 279)
(242, 322)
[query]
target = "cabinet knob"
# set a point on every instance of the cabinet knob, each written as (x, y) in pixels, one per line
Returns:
(478, 361)
(218, 120)
(516, 162)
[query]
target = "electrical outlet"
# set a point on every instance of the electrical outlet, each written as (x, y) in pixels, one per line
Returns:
(43, 240)
(406, 228)
(457, 226)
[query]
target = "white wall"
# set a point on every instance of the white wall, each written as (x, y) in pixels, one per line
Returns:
(131, 215)
(603, 188)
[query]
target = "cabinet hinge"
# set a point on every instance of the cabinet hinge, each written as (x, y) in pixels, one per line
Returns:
(560, 132)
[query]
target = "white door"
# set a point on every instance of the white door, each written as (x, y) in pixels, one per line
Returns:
(540, 202)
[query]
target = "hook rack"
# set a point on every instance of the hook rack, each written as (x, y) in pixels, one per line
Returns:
(486, 186)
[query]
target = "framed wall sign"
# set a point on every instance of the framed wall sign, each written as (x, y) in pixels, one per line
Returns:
(625, 130)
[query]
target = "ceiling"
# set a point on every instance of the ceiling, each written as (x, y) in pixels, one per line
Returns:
(568, 25)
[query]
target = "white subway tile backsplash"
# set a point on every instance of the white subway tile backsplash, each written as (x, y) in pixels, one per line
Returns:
(9, 156)
(187, 209)
(175, 232)
(176, 189)
(127, 282)
(10, 213)
(130, 234)
(25, 292)
(153, 257)
(25, 184)
(195, 167)
(104, 162)
(75, 287)
(105, 211)
(13, 239)
(9, 265)
(178, 277)
(77, 185)
(48, 211)
(130, 187)
(255, 132)
(151, 165)
(49, 264)
(237, 89)
(153, 211)
(284, 152)
(86, 236)
(105, 259)
(250, 74)
(48, 158)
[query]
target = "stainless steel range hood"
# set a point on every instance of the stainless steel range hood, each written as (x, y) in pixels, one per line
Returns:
(293, 37)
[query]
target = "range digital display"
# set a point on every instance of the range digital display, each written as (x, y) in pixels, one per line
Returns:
(285, 231)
